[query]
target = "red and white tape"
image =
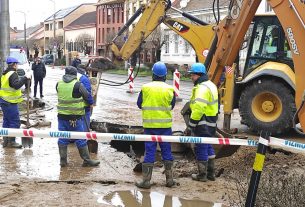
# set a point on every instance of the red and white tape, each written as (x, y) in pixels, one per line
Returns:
(131, 79)
(107, 137)
(176, 83)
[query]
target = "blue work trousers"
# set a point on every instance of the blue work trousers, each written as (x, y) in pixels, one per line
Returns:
(87, 117)
(151, 147)
(204, 152)
(64, 125)
(11, 117)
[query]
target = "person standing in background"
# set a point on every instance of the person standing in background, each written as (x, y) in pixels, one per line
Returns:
(39, 70)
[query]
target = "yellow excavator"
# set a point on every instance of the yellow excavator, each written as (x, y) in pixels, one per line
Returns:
(270, 87)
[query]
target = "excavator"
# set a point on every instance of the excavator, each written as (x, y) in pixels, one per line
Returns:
(270, 92)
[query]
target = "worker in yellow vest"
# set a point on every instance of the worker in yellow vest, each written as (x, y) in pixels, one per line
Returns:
(71, 96)
(204, 114)
(10, 97)
(157, 100)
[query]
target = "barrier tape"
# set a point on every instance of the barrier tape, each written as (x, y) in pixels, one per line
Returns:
(107, 137)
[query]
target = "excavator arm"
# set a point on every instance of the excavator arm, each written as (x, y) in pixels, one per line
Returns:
(231, 31)
(153, 14)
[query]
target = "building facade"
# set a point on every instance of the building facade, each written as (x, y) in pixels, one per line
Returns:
(80, 35)
(176, 50)
(61, 19)
(110, 18)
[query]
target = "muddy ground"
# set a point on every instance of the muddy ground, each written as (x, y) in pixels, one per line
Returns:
(33, 177)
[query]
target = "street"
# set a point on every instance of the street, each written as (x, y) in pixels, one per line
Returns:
(33, 177)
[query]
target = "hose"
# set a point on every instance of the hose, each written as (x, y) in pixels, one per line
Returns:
(128, 79)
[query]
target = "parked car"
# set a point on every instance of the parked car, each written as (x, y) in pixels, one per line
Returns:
(47, 59)
(24, 64)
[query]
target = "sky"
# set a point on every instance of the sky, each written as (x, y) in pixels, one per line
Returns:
(37, 10)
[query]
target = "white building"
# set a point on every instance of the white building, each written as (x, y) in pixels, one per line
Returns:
(177, 50)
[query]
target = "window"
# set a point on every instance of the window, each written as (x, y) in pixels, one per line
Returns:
(118, 15)
(108, 16)
(113, 15)
(46, 27)
(103, 15)
(60, 24)
(99, 15)
(166, 39)
(122, 15)
(186, 47)
(103, 35)
(268, 7)
(99, 35)
(176, 39)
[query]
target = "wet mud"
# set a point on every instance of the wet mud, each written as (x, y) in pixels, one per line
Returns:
(33, 177)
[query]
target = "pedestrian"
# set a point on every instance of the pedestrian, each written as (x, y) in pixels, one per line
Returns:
(204, 111)
(71, 96)
(76, 61)
(83, 78)
(157, 101)
(10, 97)
(39, 70)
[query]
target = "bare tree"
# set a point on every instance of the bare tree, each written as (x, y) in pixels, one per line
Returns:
(85, 43)
(58, 43)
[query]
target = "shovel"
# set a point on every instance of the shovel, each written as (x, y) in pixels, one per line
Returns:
(92, 144)
(27, 141)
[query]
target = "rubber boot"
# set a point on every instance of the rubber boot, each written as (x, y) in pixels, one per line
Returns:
(5, 141)
(147, 169)
(63, 151)
(84, 154)
(202, 169)
(168, 165)
(211, 169)
(12, 143)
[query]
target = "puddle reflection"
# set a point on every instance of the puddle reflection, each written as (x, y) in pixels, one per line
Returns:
(150, 199)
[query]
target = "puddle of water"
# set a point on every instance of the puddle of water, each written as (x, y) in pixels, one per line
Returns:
(150, 199)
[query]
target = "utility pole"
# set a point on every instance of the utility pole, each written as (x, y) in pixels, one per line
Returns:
(4, 32)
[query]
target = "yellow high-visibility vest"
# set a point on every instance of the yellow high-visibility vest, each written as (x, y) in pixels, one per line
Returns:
(68, 105)
(8, 93)
(156, 106)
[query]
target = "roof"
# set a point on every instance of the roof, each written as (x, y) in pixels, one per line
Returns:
(86, 20)
(109, 1)
(64, 12)
(29, 31)
(192, 5)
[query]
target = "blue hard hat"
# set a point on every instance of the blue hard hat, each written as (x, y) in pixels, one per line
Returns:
(198, 68)
(11, 60)
(159, 69)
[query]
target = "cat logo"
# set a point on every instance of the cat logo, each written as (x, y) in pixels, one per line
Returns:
(178, 26)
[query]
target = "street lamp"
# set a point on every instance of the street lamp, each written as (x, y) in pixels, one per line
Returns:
(54, 32)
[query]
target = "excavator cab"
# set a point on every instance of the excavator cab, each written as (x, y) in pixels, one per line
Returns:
(267, 43)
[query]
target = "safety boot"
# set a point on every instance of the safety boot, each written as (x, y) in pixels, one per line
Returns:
(168, 165)
(84, 154)
(147, 169)
(11, 143)
(202, 172)
(63, 151)
(211, 169)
